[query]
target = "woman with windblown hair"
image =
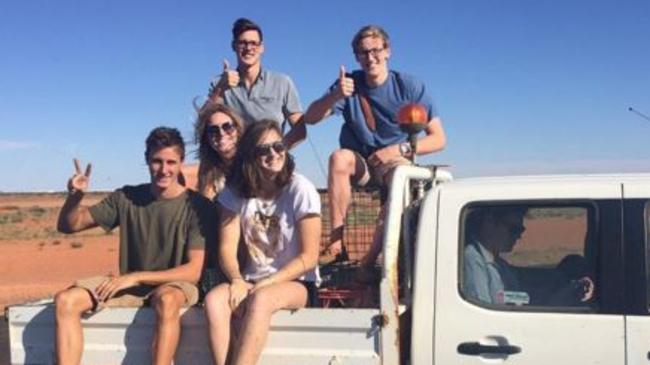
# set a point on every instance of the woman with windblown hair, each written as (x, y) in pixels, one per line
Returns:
(276, 213)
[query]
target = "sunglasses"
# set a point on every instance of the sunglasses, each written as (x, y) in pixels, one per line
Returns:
(225, 128)
(516, 229)
(264, 150)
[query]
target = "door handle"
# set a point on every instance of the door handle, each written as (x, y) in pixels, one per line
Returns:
(475, 348)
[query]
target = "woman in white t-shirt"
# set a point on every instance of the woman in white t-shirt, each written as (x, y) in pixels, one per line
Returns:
(276, 212)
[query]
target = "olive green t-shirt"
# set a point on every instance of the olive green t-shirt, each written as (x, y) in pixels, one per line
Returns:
(155, 234)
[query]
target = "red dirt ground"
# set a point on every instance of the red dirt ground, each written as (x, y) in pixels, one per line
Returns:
(35, 268)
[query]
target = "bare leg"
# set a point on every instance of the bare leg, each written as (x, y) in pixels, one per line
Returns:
(218, 313)
(260, 306)
(70, 304)
(167, 302)
(341, 169)
(368, 261)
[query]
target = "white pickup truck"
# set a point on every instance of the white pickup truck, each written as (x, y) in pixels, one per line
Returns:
(573, 225)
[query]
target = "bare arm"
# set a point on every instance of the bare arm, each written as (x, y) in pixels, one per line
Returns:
(433, 141)
(74, 217)
(190, 272)
(229, 234)
(322, 108)
(309, 231)
(298, 131)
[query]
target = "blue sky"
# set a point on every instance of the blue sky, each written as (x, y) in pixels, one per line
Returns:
(522, 86)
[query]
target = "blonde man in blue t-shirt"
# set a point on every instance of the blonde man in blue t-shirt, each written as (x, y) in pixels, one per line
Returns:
(369, 151)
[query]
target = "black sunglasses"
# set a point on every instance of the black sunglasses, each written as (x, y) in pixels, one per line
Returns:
(516, 229)
(264, 150)
(225, 128)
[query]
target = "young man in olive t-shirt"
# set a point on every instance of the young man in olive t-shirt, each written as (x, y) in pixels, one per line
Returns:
(164, 228)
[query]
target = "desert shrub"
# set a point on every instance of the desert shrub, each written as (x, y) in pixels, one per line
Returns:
(15, 217)
(36, 211)
(560, 212)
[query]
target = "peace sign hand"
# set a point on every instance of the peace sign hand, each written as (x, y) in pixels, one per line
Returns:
(79, 181)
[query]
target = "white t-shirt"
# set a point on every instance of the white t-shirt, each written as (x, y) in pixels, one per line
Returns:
(269, 226)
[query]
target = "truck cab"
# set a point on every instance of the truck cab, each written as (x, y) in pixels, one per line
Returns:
(573, 226)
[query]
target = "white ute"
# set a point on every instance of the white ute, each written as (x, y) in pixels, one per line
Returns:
(590, 225)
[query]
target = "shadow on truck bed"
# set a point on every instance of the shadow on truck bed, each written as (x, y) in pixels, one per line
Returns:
(4, 341)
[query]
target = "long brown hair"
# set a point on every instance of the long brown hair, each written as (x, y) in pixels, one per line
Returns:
(247, 177)
(212, 166)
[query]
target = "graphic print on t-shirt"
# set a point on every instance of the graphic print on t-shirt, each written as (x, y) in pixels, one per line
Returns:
(265, 236)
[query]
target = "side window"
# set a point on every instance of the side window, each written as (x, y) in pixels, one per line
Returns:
(529, 255)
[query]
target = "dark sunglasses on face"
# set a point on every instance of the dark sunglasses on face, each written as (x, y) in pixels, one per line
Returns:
(225, 128)
(517, 229)
(264, 150)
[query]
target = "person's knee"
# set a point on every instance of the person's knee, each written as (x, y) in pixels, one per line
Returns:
(260, 303)
(68, 303)
(168, 304)
(341, 162)
(216, 301)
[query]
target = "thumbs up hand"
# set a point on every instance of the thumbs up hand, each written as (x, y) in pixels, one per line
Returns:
(345, 87)
(229, 77)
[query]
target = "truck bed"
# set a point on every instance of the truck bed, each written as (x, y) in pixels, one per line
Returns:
(123, 336)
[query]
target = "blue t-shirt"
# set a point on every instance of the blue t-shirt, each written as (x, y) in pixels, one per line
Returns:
(385, 101)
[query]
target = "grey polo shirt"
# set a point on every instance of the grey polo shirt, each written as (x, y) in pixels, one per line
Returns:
(272, 96)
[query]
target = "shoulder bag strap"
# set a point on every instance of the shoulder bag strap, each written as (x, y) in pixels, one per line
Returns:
(367, 112)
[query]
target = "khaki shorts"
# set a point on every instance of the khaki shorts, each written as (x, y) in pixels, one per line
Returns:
(136, 296)
(376, 176)
(366, 175)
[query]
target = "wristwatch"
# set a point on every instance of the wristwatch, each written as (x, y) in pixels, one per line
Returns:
(405, 149)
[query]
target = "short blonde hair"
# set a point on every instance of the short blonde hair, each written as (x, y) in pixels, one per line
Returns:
(370, 31)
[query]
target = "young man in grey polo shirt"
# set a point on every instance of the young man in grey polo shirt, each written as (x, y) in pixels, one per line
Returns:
(253, 92)
(257, 93)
